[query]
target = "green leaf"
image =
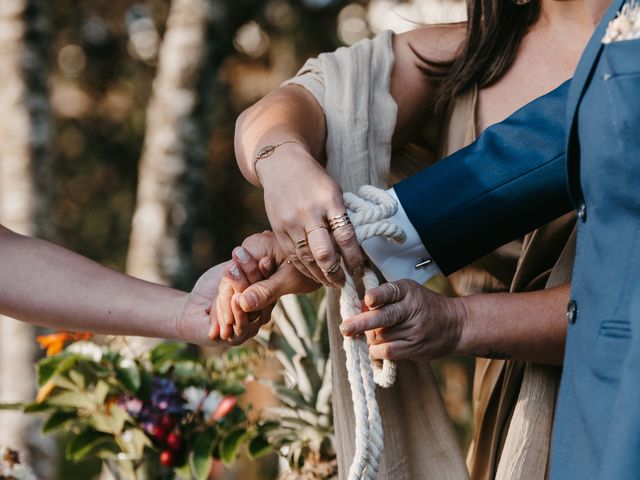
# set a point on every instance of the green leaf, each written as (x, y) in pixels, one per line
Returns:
(12, 406)
(81, 445)
(57, 420)
(71, 400)
(230, 445)
(200, 458)
(77, 378)
(168, 353)
(37, 407)
(130, 377)
(136, 442)
(110, 422)
(49, 367)
(259, 446)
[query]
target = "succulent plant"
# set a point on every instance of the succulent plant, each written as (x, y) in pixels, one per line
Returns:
(304, 434)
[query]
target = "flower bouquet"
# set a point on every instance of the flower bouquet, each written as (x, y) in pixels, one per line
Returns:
(169, 413)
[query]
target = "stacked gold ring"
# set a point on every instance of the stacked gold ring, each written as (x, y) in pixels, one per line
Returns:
(333, 269)
(339, 221)
(301, 243)
(315, 227)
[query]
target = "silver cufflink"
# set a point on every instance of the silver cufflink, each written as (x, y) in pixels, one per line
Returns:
(423, 262)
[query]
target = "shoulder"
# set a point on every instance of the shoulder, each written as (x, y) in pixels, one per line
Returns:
(436, 43)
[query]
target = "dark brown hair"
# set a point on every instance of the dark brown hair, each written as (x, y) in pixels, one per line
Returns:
(495, 29)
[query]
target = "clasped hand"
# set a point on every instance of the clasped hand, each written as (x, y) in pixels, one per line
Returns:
(407, 321)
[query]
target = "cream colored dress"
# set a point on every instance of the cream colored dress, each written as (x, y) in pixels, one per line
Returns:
(352, 86)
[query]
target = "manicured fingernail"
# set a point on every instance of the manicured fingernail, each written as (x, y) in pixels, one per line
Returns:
(346, 328)
(358, 272)
(234, 271)
(242, 254)
(250, 299)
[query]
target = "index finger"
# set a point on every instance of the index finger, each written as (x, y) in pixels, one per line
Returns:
(385, 317)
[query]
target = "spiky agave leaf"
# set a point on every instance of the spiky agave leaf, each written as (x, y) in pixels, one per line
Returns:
(305, 432)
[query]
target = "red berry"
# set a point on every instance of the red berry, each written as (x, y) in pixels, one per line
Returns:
(167, 422)
(159, 433)
(224, 408)
(174, 441)
(166, 458)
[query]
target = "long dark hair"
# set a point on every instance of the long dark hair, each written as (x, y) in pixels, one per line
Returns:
(495, 29)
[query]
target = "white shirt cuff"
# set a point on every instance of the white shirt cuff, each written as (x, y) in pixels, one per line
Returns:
(398, 261)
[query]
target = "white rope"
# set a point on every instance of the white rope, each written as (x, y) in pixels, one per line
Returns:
(369, 212)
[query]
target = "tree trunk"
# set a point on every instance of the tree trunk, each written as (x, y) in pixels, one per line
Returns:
(25, 161)
(169, 198)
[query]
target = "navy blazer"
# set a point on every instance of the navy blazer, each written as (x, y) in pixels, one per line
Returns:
(457, 204)
(597, 425)
(510, 181)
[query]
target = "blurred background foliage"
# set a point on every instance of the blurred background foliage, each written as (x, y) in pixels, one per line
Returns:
(103, 58)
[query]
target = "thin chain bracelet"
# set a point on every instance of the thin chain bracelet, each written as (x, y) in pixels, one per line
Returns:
(266, 151)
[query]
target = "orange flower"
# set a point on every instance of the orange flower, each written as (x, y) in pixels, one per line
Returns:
(54, 342)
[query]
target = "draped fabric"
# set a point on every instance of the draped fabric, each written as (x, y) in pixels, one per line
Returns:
(513, 401)
(352, 86)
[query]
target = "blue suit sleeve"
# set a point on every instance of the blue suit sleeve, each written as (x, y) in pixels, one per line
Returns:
(509, 182)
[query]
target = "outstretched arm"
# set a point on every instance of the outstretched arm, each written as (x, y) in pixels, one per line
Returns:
(407, 321)
(47, 285)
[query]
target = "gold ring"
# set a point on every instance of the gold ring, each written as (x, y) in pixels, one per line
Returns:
(337, 225)
(334, 268)
(396, 292)
(301, 243)
(337, 217)
(289, 262)
(316, 227)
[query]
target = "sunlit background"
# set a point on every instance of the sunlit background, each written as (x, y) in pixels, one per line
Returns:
(102, 58)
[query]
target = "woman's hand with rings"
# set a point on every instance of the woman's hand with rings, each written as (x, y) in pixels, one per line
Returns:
(407, 321)
(301, 200)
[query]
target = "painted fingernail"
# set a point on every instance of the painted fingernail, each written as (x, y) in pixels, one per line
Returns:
(346, 328)
(358, 272)
(242, 254)
(251, 300)
(234, 271)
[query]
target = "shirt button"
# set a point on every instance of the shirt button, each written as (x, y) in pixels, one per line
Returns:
(572, 312)
(582, 212)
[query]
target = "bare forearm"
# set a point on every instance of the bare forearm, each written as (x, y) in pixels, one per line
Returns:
(289, 113)
(47, 285)
(525, 326)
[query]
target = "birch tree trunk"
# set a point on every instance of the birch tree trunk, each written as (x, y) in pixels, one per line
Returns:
(199, 34)
(25, 163)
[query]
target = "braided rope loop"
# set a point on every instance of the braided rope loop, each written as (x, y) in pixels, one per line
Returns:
(369, 212)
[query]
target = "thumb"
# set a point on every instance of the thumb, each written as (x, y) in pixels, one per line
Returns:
(262, 294)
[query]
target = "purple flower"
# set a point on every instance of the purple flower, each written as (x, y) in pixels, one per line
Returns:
(165, 396)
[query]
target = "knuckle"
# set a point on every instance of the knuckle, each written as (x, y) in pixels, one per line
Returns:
(387, 316)
(387, 351)
(322, 253)
(307, 259)
(345, 236)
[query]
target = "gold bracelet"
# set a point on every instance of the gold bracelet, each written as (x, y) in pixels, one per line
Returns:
(265, 152)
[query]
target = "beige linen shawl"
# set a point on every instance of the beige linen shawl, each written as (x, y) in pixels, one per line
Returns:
(352, 86)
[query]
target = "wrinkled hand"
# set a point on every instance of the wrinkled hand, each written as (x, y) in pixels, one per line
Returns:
(408, 322)
(299, 196)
